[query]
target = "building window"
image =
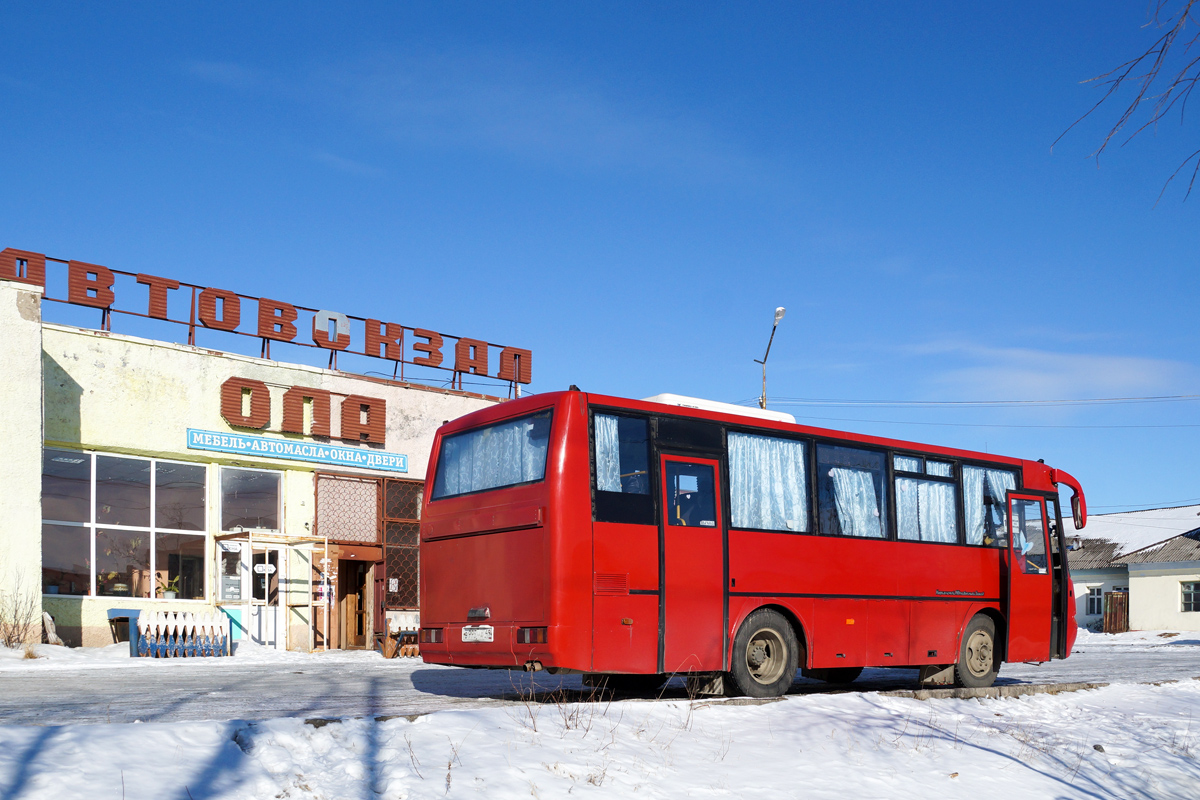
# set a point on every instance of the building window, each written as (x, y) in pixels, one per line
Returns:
(1095, 601)
(1191, 596)
(249, 499)
(120, 526)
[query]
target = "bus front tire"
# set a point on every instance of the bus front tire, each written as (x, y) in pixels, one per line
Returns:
(766, 653)
(977, 665)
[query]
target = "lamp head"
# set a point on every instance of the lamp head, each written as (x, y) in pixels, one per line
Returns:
(779, 312)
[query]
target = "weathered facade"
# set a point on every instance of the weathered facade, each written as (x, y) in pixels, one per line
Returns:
(149, 475)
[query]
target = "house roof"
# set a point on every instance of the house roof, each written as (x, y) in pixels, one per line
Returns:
(1113, 539)
(1185, 547)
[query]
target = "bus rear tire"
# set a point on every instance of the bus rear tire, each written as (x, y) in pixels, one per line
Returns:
(977, 665)
(834, 674)
(766, 653)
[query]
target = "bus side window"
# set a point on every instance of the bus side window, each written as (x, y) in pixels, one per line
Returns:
(851, 493)
(768, 483)
(985, 501)
(622, 470)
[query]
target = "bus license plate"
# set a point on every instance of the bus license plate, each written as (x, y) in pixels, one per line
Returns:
(477, 633)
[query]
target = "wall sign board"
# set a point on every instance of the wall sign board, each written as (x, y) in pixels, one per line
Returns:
(314, 452)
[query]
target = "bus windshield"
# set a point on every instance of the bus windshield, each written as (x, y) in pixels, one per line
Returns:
(504, 454)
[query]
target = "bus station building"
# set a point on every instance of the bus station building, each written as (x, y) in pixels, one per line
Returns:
(144, 474)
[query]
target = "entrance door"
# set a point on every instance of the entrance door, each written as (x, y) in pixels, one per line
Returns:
(1063, 595)
(352, 590)
(694, 565)
(265, 625)
(1029, 580)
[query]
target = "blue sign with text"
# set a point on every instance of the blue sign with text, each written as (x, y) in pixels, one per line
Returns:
(243, 444)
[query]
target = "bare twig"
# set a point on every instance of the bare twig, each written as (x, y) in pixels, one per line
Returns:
(1144, 72)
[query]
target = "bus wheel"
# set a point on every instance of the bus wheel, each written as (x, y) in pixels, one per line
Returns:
(977, 667)
(765, 655)
(835, 674)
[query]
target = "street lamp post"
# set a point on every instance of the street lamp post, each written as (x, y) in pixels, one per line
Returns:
(762, 401)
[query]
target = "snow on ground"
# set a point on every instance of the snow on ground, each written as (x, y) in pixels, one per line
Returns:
(847, 744)
(817, 746)
(51, 657)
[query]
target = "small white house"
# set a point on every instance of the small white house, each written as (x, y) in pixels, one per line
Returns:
(1154, 555)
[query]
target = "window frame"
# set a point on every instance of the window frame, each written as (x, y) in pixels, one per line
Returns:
(809, 465)
(888, 534)
(152, 530)
(1094, 593)
(1194, 591)
(653, 476)
(220, 525)
(441, 446)
(954, 478)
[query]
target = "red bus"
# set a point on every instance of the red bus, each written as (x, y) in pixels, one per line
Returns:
(635, 540)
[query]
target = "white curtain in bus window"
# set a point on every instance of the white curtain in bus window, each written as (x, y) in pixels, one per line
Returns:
(851, 492)
(622, 455)
(985, 497)
(768, 483)
(906, 464)
(925, 511)
(503, 454)
(939, 468)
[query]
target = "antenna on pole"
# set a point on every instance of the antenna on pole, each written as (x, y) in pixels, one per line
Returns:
(762, 400)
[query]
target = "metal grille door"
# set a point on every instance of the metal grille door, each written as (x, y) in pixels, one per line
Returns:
(401, 510)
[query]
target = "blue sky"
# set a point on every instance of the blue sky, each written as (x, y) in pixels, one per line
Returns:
(630, 189)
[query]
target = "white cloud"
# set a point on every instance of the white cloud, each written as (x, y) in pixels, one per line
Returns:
(490, 102)
(1012, 373)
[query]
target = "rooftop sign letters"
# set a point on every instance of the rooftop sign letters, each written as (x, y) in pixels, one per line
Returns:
(274, 320)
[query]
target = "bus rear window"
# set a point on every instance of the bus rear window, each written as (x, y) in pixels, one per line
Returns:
(504, 454)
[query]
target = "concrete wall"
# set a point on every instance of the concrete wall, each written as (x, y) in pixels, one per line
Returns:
(1155, 596)
(1085, 579)
(21, 448)
(124, 394)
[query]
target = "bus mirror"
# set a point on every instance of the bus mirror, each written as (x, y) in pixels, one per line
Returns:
(1077, 512)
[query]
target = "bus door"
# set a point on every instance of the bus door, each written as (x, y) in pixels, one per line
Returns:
(1030, 595)
(694, 565)
(1063, 596)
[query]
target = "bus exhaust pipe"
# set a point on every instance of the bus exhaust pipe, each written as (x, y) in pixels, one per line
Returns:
(533, 666)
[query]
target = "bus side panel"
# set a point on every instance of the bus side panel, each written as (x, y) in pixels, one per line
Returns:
(935, 626)
(888, 632)
(839, 633)
(624, 625)
(626, 553)
(625, 631)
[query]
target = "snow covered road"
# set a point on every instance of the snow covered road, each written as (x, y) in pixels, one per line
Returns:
(1127, 741)
(108, 686)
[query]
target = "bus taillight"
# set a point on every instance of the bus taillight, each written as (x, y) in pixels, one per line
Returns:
(430, 636)
(531, 635)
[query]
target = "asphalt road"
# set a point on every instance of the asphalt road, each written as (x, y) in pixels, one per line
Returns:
(336, 686)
